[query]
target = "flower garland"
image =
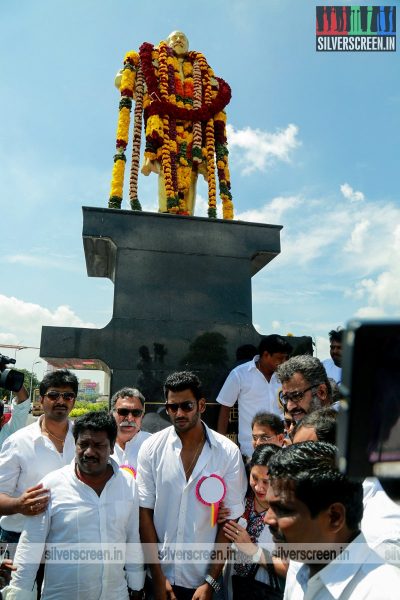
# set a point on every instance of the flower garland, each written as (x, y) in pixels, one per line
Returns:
(137, 134)
(131, 62)
(182, 103)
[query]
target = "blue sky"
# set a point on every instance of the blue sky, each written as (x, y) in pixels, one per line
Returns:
(313, 140)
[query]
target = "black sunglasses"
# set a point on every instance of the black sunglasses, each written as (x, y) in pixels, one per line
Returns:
(186, 406)
(65, 395)
(124, 412)
(295, 396)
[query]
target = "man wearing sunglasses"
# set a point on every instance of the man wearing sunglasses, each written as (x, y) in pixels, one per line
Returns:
(127, 406)
(171, 467)
(305, 386)
(33, 452)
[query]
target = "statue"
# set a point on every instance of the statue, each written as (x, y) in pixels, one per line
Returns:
(182, 103)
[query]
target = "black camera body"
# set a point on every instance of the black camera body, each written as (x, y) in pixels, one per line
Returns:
(369, 422)
(10, 379)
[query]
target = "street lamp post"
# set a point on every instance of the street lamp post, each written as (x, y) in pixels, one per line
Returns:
(36, 362)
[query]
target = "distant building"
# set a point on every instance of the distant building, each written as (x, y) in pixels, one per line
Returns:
(86, 386)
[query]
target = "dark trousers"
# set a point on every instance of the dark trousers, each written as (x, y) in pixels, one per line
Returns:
(181, 593)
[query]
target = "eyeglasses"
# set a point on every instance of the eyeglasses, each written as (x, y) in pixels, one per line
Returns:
(263, 437)
(295, 396)
(124, 412)
(56, 395)
(186, 406)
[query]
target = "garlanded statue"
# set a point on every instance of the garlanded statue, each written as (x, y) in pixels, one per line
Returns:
(182, 103)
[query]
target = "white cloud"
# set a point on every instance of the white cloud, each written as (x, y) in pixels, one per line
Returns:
(275, 325)
(370, 312)
(351, 194)
(43, 261)
(358, 237)
(355, 246)
(256, 149)
(322, 347)
(271, 212)
(22, 323)
(24, 320)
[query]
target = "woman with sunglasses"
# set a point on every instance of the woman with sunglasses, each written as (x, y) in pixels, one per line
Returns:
(250, 533)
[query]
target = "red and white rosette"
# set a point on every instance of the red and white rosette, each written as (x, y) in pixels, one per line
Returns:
(211, 490)
(129, 469)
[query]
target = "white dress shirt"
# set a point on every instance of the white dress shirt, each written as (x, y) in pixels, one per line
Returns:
(332, 370)
(25, 458)
(381, 520)
(77, 518)
(361, 576)
(19, 415)
(179, 517)
(248, 386)
(129, 455)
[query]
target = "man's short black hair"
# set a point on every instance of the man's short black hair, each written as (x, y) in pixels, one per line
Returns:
(336, 335)
(274, 343)
(96, 421)
(127, 392)
(246, 352)
(183, 380)
(59, 378)
(270, 420)
(262, 455)
(323, 420)
(311, 468)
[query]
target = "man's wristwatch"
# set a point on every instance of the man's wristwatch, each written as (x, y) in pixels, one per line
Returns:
(257, 555)
(213, 582)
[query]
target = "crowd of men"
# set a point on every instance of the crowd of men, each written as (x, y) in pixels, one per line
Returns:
(100, 509)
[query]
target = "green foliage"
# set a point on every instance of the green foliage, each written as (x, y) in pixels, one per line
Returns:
(81, 408)
(87, 397)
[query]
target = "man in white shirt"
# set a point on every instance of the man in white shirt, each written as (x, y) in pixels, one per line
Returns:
(254, 386)
(93, 511)
(311, 502)
(171, 464)
(20, 410)
(127, 406)
(32, 452)
(333, 365)
(381, 519)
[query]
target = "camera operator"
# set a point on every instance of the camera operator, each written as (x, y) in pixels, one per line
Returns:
(20, 409)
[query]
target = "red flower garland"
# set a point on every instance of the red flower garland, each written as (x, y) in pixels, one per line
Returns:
(163, 107)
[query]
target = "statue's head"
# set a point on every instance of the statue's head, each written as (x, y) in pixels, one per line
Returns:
(179, 43)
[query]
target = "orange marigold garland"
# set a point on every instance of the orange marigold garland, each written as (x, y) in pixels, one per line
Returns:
(137, 134)
(210, 149)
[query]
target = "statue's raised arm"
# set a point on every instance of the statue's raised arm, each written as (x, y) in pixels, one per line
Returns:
(182, 103)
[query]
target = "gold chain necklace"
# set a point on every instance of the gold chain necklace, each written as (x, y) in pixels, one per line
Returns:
(196, 456)
(44, 428)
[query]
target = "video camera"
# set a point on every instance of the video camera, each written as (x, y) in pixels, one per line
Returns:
(369, 422)
(10, 379)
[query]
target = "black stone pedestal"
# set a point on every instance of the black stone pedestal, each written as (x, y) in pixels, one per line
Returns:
(182, 297)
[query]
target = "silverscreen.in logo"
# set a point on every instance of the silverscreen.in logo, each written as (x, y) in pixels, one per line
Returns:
(356, 28)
